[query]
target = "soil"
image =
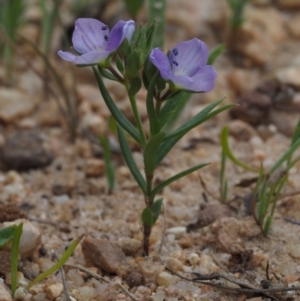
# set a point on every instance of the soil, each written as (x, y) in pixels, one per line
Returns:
(59, 184)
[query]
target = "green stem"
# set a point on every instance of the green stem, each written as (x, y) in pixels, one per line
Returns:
(138, 120)
(147, 229)
(149, 199)
(146, 239)
(157, 107)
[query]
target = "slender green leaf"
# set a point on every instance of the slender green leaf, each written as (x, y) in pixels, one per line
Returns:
(153, 118)
(215, 54)
(165, 183)
(156, 208)
(277, 194)
(270, 193)
(147, 217)
(267, 225)
(256, 191)
(262, 199)
(292, 163)
(196, 120)
(68, 253)
(224, 191)
(167, 145)
(296, 134)
(130, 161)
(285, 156)
(6, 235)
(15, 257)
(116, 113)
(228, 152)
(109, 168)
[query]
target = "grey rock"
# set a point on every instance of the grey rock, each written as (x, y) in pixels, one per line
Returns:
(24, 150)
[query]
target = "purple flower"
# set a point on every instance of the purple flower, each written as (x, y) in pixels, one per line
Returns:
(185, 66)
(92, 40)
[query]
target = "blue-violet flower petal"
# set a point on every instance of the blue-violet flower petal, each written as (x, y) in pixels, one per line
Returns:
(186, 66)
(93, 41)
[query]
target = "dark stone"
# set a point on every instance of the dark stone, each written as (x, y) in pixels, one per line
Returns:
(134, 279)
(10, 213)
(24, 150)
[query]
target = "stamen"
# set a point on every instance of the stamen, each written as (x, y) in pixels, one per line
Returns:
(104, 27)
(106, 38)
(175, 51)
(175, 63)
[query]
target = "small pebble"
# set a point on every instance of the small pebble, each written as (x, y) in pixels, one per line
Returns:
(165, 279)
(84, 293)
(134, 279)
(94, 168)
(4, 294)
(177, 231)
(54, 290)
(295, 250)
(150, 270)
(22, 295)
(75, 277)
(193, 259)
(129, 245)
(174, 264)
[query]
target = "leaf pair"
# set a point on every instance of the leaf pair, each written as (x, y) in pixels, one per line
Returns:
(150, 215)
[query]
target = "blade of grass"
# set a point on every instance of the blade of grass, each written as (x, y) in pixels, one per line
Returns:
(285, 156)
(15, 257)
(67, 254)
(228, 152)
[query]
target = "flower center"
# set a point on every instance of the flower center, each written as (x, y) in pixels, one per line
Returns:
(175, 52)
(175, 63)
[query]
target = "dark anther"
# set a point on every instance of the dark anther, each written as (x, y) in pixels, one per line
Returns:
(175, 51)
(104, 27)
(105, 37)
(175, 63)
